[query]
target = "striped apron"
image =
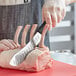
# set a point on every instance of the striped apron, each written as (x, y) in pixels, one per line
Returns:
(14, 13)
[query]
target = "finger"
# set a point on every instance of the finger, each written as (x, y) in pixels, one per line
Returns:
(48, 20)
(19, 28)
(41, 44)
(54, 19)
(52, 15)
(58, 12)
(33, 29)
(63, 13)
(7, 43)
(3, 47)
(24, 34)
(59, 17)
(13, 43)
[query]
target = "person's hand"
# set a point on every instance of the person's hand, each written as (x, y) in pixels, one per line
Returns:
(53, 12)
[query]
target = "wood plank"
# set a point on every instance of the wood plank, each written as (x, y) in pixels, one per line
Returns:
(62, 31)
(69, 16)
(66, 45)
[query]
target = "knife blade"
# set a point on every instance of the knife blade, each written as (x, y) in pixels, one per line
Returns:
(19, 57)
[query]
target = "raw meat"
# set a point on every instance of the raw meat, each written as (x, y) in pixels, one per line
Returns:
(37, 60)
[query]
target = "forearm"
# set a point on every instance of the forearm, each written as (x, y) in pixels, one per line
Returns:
(69, 1)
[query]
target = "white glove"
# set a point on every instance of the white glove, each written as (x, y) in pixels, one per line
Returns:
(53, 11)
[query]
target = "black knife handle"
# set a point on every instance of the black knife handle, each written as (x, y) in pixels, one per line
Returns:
(40, 29)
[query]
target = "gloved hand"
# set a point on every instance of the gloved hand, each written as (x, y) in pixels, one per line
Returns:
(39, 56)
(53, 12)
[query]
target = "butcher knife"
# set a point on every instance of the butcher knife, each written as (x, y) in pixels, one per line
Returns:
(20, 56)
